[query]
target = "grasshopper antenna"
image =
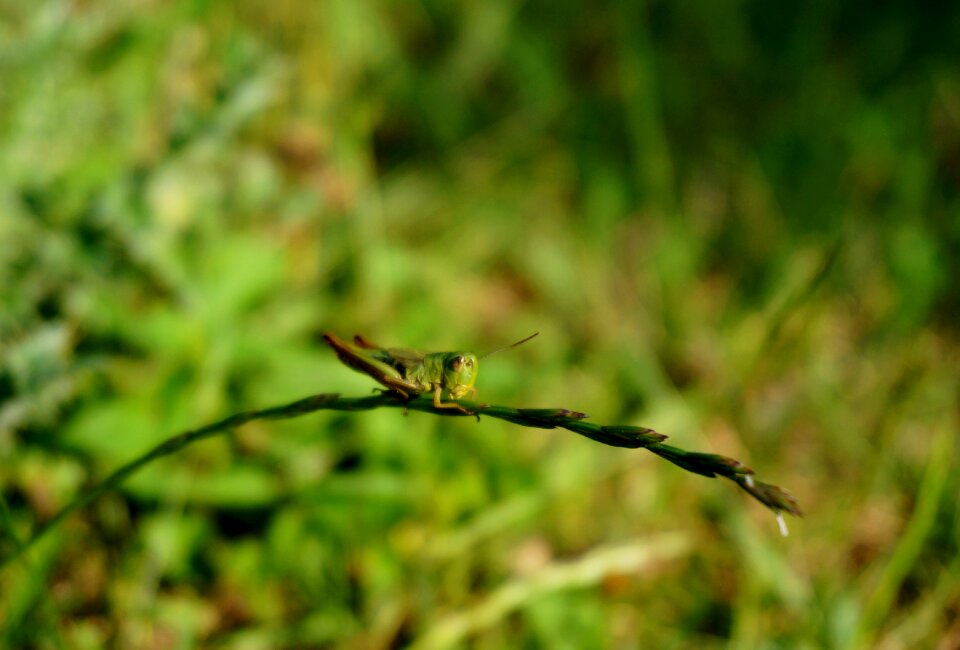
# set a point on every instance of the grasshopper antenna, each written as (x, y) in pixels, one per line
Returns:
(509, 347)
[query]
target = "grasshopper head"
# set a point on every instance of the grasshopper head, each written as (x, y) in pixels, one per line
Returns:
(459, 373)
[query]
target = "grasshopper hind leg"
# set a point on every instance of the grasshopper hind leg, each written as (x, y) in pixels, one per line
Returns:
(396, 392)
(393, 391)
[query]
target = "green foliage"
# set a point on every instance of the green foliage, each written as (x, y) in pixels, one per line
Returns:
(734, 224)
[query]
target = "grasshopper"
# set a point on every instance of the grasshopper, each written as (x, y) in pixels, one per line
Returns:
(410, 373)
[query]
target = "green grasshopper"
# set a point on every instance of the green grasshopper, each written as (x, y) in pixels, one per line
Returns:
(410, 373)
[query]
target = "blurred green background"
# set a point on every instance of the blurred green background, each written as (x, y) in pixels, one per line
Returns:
(736, 223)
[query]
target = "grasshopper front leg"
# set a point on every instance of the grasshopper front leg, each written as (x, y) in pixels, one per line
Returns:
(437, 404)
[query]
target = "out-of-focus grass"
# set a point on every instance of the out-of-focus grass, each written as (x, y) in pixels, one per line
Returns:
(737, 226)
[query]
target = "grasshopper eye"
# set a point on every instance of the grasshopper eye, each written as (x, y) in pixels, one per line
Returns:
(457, 363)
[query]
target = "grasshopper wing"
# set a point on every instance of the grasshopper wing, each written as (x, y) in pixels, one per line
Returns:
(362, 341)
(402, 360)
(372, 361)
